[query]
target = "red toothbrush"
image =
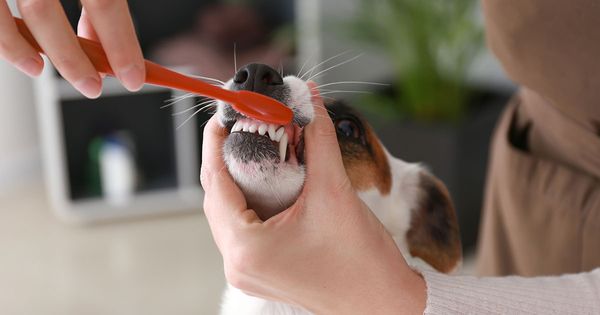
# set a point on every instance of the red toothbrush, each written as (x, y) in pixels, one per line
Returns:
(251, 104)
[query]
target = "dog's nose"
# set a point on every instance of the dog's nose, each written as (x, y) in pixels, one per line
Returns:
(257, 78)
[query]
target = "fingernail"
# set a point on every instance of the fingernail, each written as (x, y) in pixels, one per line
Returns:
(31, 66)
(90, 87)
(132, 78)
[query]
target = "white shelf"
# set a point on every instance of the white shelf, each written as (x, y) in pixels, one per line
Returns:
(51, 91)
(142, 204)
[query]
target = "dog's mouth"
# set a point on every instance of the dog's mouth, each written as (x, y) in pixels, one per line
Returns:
(254, 146)
(256, 141)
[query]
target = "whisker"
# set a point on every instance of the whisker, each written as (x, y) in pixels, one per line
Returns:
(329, 98)
(335, 91)
(206, 79)
(341, 91)
(177, 99)
(303, 65)
(323, 62)
(188, 119)
(275, 194)
(333, 67)
(281, 68)
(204, 123)
(351, 82)
(325, 108)
(208, 106)
(320, 106)
(204, 104)
(235, 68)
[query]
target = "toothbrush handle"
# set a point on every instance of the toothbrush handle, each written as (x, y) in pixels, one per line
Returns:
(155, 74)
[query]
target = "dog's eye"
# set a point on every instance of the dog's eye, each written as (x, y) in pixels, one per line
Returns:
(347, 128)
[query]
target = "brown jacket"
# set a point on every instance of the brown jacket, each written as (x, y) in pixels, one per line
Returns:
(542, 209)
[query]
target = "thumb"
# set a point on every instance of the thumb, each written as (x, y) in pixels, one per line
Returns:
(322, 150)
(223, 200)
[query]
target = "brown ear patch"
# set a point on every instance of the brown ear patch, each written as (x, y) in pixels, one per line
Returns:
(369, 169)
(434, 235)
(364, 157)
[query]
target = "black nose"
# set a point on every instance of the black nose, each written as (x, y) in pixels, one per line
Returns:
(257, 78)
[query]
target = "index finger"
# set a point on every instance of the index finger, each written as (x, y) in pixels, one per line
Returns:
(113, 25)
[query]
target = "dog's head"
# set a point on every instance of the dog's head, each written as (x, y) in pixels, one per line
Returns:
(267, 163)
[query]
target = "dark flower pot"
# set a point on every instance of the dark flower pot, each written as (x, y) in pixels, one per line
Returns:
(457, 153)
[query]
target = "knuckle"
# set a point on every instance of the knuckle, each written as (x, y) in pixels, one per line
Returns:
(34, 7)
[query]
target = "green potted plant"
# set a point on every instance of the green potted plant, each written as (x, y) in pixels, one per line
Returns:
(430, 113)
(431, 45)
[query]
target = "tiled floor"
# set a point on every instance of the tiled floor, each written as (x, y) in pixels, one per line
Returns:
(166, 265)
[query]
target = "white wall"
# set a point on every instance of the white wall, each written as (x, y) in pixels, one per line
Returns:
(19, 146)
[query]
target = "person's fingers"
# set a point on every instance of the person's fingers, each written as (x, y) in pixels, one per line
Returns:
(223, 199)
(14, 48)
(49, 25)
(321, 146)
(85, 28)
(113, 24)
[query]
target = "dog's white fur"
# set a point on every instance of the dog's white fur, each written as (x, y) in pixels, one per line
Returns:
(273, 188)
(285, 183)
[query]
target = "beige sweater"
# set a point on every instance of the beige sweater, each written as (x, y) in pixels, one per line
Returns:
(567, 294)
(551, 48)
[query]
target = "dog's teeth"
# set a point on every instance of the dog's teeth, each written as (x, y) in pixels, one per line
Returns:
(236, 127)
(272, 132)
(283, 147)
(279, 133)
(262, 129)
(252, 128)
(245, 127)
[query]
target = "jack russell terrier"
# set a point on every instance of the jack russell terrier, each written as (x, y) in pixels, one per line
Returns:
(267, 163)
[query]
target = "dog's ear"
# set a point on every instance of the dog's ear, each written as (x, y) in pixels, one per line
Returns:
(433, 234)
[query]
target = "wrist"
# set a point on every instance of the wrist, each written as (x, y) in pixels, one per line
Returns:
(405, 292)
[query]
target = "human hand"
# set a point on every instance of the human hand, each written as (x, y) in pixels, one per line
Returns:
(327, 253)
(107, 21)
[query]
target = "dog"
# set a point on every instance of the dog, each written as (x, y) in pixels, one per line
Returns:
(267, 163)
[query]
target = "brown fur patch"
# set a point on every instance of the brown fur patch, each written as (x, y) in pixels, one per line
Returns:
(364, 159)
(434, 235)
(369, 168)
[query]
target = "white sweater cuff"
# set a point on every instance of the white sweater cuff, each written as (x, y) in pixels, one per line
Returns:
(568, 294)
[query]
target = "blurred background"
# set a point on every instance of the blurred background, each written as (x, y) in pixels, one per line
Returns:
(100, 203)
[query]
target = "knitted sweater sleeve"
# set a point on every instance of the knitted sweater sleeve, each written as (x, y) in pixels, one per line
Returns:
(567, 294)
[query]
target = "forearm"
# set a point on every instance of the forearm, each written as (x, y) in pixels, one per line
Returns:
(568, 294)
